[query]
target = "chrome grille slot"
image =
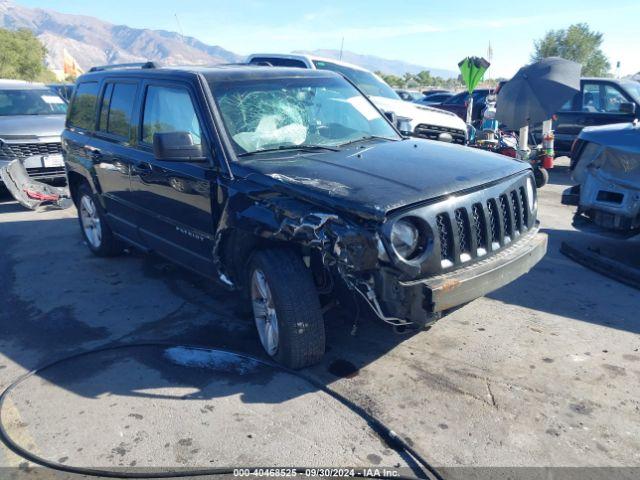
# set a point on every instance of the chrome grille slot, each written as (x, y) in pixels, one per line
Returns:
(506, 218)
(464, 234)
(524, 207)
(517, 215)
(479, 228)
(494, 220)
(446, 239)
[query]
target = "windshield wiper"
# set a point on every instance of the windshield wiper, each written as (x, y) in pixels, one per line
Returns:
(367, 137)
(289, 147)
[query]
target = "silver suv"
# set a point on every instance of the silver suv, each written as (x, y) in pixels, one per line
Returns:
(31, 121)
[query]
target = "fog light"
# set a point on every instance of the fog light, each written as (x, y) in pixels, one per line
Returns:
(445, 137)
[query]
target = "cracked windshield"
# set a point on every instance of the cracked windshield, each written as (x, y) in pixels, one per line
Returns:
(297, 112)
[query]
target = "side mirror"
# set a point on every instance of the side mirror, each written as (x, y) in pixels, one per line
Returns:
(628, 107)
(176, 147)
(391, 116)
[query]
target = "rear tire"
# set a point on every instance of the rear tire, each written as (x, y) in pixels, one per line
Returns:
(286, 308)
(541, 176)
(93, 224)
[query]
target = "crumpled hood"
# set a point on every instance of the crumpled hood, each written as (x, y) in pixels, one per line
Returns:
(31, 126)
(382, 176)
(621, 136)
(419, 113)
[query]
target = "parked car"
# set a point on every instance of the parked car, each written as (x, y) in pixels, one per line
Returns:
(605, 164)
(409, 95)
(63, 90)
(601, 101)
(435, 90)
(412, 119)
(458, 104)
(435, 98)
(31, 121)
(286, 185)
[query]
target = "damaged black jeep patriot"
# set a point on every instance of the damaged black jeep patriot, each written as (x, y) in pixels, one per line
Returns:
(290, 185)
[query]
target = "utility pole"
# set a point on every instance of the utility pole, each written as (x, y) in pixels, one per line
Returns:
(489, 58)
(179, 26)
(341, 48)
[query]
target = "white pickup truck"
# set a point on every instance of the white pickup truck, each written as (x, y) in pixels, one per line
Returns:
(412, 119)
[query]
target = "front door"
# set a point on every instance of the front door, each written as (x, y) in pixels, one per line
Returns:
(173, 199)
(597, 104)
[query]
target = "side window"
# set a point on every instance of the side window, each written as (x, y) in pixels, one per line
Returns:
(568, 106)
(82, 113)
(612, 99)
(169, 109)
(458, 99)
(117, 107)
(278, 62)
(591, 101)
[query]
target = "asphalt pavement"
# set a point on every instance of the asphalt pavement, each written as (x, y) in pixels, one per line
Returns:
(543, 372)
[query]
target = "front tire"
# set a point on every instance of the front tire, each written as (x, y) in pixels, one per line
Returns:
(286, 308)
(541, 176)
(93, 224)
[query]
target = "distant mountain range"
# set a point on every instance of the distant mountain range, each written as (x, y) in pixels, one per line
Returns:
(92, 41)
(373, 63)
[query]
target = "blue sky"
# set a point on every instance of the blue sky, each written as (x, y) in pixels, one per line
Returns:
(436, 34)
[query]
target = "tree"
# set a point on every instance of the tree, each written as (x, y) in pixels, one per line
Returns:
(22, 56)
(577, 43)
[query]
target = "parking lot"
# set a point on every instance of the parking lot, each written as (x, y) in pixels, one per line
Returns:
(544, 372)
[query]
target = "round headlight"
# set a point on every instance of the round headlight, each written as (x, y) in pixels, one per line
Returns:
(404, 238)
(532, 201)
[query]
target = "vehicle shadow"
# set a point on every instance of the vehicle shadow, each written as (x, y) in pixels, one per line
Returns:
(560, 175)
(559, 286)
(58, 300)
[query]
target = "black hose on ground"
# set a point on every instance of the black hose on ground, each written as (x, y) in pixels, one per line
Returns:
(394, 440)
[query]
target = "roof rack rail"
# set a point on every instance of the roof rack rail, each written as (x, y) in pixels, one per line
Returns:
(124, 65)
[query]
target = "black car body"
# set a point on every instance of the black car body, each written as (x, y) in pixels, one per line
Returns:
(434, 99)
(601, 101)
(308, 218)
(458, 104)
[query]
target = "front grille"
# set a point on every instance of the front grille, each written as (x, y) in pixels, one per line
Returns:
(11, 151)
(46, 172)
(473, 231)
(432, 132)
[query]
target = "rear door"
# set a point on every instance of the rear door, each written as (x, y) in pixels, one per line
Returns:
(111, 152)
(173, 199)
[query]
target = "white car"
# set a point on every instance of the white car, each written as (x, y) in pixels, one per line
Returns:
(413, 119)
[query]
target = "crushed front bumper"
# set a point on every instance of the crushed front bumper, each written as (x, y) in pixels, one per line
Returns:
(419, 301)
